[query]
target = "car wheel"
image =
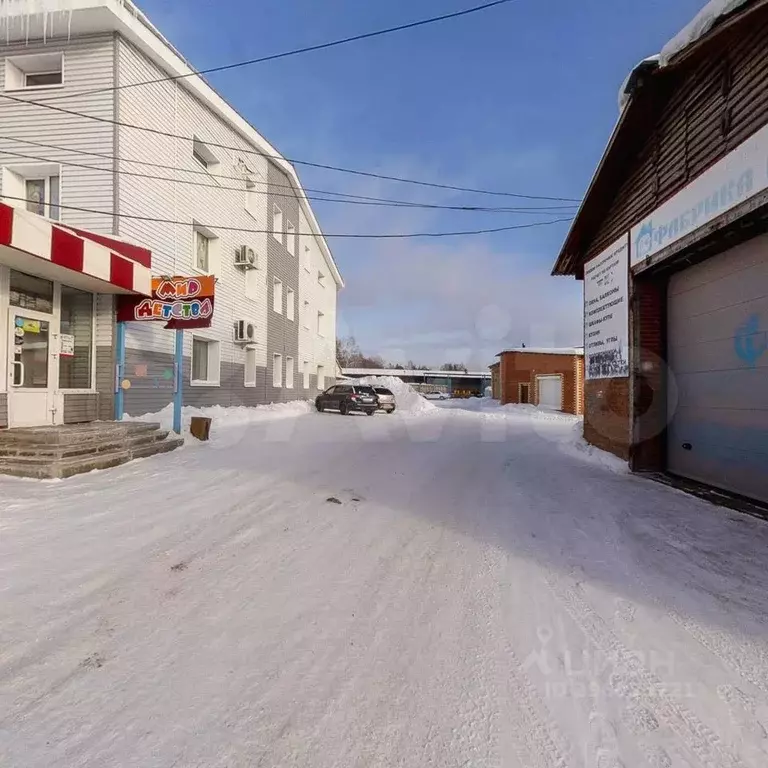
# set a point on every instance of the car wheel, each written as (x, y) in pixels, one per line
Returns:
(343, 410)
(319, 406)
(369, 412)
(391, 410)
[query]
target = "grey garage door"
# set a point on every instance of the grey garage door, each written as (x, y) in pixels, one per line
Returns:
(718, 358)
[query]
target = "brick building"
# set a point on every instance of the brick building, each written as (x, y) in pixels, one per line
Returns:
(548, 378)
(671, 242)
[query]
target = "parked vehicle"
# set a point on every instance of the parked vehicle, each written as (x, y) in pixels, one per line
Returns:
(347, 398)
(386, 399)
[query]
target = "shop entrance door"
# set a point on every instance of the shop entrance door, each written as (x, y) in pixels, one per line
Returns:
(30, 369)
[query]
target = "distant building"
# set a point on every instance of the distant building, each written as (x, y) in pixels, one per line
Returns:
(547, 378)
(496, 380)
(454, 383)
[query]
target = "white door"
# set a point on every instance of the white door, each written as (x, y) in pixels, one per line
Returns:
(550, 392)
(30, 369)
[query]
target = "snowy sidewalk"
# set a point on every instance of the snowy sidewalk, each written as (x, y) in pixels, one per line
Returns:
(487, 593)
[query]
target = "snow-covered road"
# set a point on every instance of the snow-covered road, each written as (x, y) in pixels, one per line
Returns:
(484, 595)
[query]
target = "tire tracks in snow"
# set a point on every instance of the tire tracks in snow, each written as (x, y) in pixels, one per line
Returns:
(640, 686)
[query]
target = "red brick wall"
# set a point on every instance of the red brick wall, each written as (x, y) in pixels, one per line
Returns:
(606, 416)
(523, 367)
(650, 403)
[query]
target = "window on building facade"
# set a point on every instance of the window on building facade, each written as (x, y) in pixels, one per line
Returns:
(252, 284)
(320, 324)
(305, 371)
(277, 295)
(29, 292)
(307, 258)
(202, 252)
(250, 367)
(205, 362)
(321, 279)
(76, 339)
(277, 370)
(290, 304)
(290, 243)
(289, 372)
(33, 71)
(277, 223)
(42, 196)
(305, 319)
(203, 155)
(321, 377)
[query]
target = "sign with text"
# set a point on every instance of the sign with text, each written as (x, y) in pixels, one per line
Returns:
(741, 174)
(606, 313)
(179, 302)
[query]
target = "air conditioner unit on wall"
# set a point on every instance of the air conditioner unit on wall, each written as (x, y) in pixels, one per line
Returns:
(245, 332)
(245, 257)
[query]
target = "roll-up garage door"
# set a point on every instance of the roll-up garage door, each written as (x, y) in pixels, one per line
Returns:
(550, 392)
(718, 356)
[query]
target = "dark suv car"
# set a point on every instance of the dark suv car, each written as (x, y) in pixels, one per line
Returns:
(346, 398)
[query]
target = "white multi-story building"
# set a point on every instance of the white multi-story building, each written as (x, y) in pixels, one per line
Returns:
(140, 149)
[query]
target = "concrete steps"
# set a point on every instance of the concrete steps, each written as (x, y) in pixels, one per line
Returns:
(59, 452)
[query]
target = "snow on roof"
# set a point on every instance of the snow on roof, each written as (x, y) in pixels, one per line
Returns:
(545, 350)
(430, 374)
(704, 20)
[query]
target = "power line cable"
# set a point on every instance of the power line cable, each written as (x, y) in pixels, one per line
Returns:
(210, 174)
(293, 161)
(294, 52)
(265, 192)
(229, 228)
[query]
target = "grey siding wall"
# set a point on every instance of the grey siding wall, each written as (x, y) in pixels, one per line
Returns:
(88, 65)
(282, 333)
(79, 408)
(3, 409)
(152, 390)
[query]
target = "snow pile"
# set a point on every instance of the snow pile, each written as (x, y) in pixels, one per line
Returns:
(704, 20)
(407, 398)
(574, 444)
(227, 418)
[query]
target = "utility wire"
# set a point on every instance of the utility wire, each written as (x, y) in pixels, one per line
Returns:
(240, 150)
(228, 228)
(242, 188)
(294, 52)
(240, 178)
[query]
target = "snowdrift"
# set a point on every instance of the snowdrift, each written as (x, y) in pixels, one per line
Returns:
(407, 398)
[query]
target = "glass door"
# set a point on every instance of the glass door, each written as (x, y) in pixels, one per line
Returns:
(30, 390)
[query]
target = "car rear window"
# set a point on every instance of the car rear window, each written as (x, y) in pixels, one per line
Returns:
(382, 391)
(365, 390)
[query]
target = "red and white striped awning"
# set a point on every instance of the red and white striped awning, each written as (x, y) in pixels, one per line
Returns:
(99, 263)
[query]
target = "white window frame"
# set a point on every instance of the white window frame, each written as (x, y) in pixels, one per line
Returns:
(307, 310)
(307, 259)
(290, 239)
(290, 373)
(277, 370)
(306, 374)
(252, 278)
(277, 223)
(321, 378)
(277, 295)
(203, 155)
(213, 249)
(14, 183)
(320, 323)
(290, 304)
(19, 68)
(213, 363)
(321, 279)
(249, 376)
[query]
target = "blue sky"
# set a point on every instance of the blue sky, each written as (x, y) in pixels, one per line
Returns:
(520, 98)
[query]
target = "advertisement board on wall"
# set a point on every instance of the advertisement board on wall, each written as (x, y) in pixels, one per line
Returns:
(180, 302)
(741, 174)
(606, 313)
